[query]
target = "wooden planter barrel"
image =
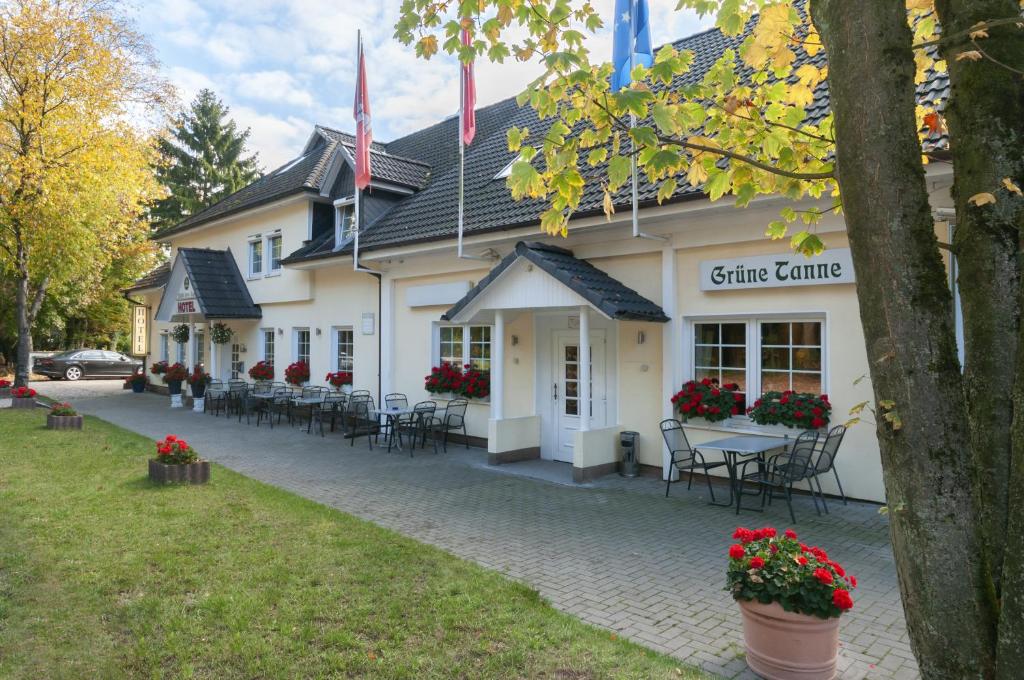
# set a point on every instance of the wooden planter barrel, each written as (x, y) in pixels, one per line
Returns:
(190, 473)
(64, 422)
(5, 392)
(23, 402)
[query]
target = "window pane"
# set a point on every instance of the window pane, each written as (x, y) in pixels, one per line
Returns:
(806, 359)
(275, 253)
(570, 353)
(807, 333)
(775, 357)
(734, 334)
(734, 357)
(706, 356)
(807, 382)
(701, 373)
(706, 333)
(774, 381)
(775, 333)
(571, 407)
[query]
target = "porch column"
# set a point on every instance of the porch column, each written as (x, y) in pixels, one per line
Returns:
(584, 369)
(213, 353)
(498, 366)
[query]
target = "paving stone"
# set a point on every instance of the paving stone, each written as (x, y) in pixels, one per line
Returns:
(614, 552)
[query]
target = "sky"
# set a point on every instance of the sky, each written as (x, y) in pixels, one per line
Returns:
(283, 66)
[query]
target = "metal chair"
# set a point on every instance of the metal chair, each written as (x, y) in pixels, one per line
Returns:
(362, 419)
(277, 405)
(684, 457)
(216, 397)
(333, 407)
(452, 420)
(827, 461)
(237, 390)
(415, 424)
(396, 400)
(304, 411)
(786, 469)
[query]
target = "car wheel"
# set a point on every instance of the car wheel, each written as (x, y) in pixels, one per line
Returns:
(73, 372)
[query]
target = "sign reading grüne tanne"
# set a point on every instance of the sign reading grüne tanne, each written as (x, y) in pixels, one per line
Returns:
(776, 271)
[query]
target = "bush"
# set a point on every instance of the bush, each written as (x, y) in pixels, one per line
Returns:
(769, 568)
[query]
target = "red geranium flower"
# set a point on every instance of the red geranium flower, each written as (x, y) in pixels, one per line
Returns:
(802, 560)
(790, 534)
(756, 563)
(823, 575)
(842, 600)
(736, 551)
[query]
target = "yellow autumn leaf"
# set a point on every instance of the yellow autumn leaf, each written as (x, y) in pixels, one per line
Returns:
(972, 55)
(1011, 187)
(983, 198)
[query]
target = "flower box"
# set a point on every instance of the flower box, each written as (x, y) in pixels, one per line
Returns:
(188, 473)
(23, 402)
(5, 389)
(64, 422)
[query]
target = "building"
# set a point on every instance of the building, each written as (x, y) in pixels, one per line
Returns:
(708, 295)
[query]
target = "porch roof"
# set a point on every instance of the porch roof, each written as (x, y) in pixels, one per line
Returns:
(210, 278)
(609, 296)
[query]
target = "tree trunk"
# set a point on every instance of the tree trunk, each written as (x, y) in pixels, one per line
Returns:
(22, 366)
(906, 312)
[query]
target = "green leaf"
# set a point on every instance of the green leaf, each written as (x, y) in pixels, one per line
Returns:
(717, 184)
(667, 188)
(619, 170)
(665, 118)
(644, 136)
(776, 229)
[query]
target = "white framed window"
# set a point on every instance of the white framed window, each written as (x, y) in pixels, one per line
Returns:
(255, 257)
(344, 222)
(461, 345)
(343, 354)
(200, 350)
(268, 338)
(274, 253)
(760, 353)
(182, 353)
(165, 346)
(300, 343)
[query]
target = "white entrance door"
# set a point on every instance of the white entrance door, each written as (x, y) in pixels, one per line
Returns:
(566, 389)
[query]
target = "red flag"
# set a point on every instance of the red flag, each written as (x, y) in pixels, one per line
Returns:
(468, 103)
(364, 131)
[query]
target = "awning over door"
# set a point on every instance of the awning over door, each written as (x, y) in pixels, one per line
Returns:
(205, 285)
(537, 276)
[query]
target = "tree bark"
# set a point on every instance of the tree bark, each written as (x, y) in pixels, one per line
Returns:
(906, 312)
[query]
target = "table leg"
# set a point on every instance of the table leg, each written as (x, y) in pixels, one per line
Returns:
(730, 466)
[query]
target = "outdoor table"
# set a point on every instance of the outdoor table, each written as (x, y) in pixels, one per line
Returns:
(392, 414)
(742, 445)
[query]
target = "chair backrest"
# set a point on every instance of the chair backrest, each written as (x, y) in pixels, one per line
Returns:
(675, 439)
(237, 386)
(261, 386)
(425, 407)
(335, 400)
(396, 400)
(360, 406)
(800, 462)
(313, 391)
(455, 414)
(282, 394)
(359, 393)
(216, 387)
(830, 449)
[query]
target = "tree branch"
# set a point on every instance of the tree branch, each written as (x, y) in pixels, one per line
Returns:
(977, 27)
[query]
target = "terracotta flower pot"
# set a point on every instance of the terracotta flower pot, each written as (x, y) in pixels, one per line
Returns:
(189, 473)
(784, 645)
(64, 422)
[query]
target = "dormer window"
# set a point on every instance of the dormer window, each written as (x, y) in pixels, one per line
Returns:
(344, 222)
(506, 172)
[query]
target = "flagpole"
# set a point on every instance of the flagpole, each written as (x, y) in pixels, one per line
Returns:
(632, 124)
(462, 163)
(357, 203)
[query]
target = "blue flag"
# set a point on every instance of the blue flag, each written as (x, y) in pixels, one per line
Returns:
(632, 39)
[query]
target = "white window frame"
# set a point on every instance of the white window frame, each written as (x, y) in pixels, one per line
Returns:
(268, 253)
(199, 348)
(753, 325)
(466, 342)
(181, 353)
(165, 346)
(340, 239)
(254, 262)
(295, 344)
(336, 332)
(264, 332)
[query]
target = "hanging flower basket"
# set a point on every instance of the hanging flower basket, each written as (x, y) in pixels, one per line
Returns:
(63, 417)
(180, 333)
(791, 596)
(220, 333)
(177, 461)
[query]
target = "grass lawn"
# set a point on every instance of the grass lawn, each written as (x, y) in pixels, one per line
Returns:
(103, 575)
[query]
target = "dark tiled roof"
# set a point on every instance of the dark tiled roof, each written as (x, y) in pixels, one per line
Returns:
(154, 279)
(219, 286)
(610, 296)
(385, 165)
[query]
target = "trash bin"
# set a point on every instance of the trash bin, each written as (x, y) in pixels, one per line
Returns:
(628, 466)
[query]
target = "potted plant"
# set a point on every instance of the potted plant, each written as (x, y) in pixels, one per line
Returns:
(339, 379)
(445, 379)
(475, 384)
(176, 461)
(707, 399)
(297, 373)
(137, 381)
(173, 377)
(198, 379)
(791, 596)
(5, 389)
(63, 417)
(792, 409)
(180, 333)
(220, 333)
(23, 397)
(262, 370)
(158, 368)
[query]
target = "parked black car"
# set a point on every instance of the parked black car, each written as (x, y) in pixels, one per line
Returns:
(86, 363)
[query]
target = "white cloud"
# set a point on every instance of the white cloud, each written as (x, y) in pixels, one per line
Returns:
(273, 86)
(277, 139)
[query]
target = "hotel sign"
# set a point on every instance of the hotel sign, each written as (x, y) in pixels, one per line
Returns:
(186, 301)
(777, 271)
(140, 331)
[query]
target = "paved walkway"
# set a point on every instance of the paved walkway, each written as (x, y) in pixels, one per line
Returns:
(615, 553)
